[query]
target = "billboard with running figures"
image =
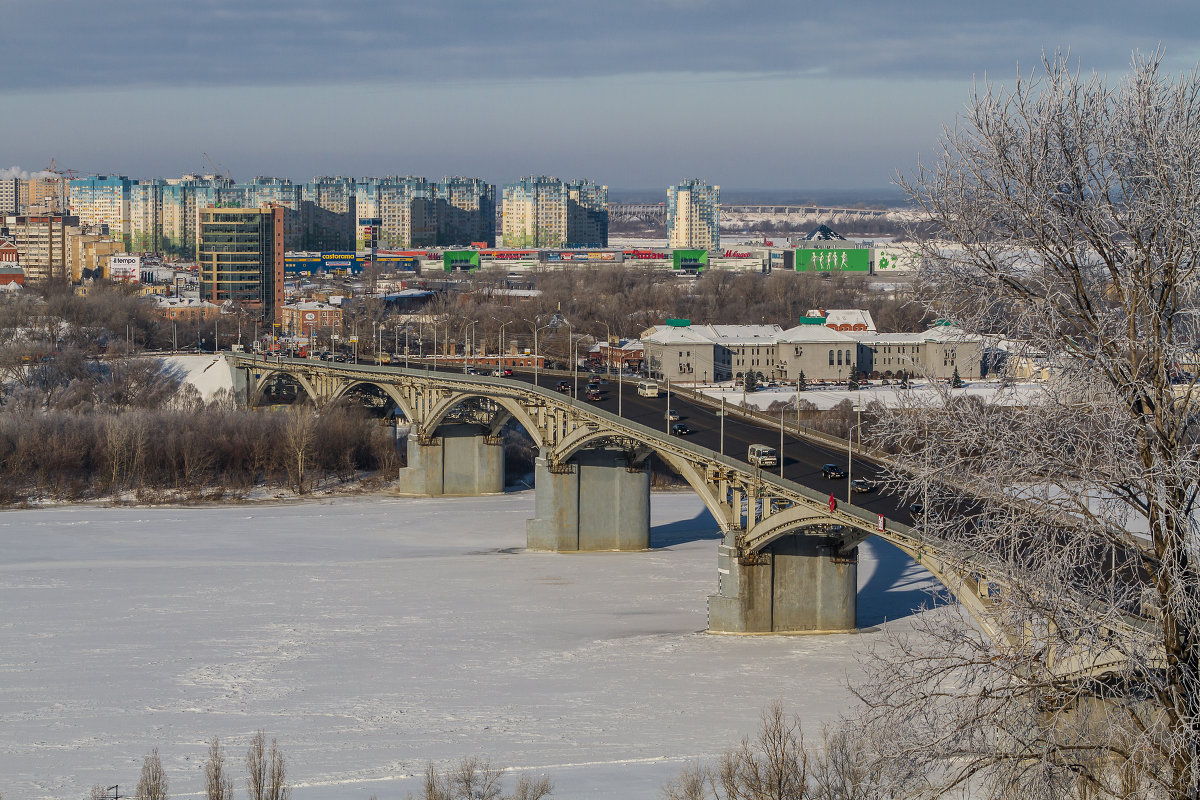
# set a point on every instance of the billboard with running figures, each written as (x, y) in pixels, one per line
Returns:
(833, 259)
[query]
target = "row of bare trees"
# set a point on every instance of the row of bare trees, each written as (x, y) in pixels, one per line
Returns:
(186, 453)
(266, 774)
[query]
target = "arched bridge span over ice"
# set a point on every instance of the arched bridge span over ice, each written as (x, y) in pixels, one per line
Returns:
(787, 561)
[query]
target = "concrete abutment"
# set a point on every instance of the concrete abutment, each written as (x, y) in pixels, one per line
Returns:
(595, 501)
(456, 460)
(796, 584)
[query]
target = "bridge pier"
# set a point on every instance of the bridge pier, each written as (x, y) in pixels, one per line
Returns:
(595, 501)
(456, 460)
(795, 584)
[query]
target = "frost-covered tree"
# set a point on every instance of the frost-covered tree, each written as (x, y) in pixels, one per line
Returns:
(1069, 216)
(218, 783)
(152, 784)
(266, 770)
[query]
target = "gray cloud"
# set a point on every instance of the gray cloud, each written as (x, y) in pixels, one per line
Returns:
(138, 43)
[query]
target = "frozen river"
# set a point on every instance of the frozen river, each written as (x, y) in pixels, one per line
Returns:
(371, 635)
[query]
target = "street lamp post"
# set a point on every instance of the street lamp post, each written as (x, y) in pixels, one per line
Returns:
(500, 343)
(849, 453)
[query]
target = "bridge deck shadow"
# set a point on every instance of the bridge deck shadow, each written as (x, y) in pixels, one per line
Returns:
(897, 588)
(700, 527)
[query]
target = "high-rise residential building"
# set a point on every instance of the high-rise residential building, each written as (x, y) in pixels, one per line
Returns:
(103, 200)
(240, 251)
(44, 193)
(330, 210)
(587, 214)
(466, 211)
(145, 216)
(10, 195)
(41, 242)
(541, 211)
(694, 215)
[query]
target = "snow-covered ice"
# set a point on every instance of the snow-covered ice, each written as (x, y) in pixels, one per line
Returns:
(370, 635)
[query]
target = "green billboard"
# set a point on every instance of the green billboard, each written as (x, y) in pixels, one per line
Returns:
(833, 259)
(460, 259)
(690, 259)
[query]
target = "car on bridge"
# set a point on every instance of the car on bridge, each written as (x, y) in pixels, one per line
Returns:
(594, 394)
(506, 373)
(564, 387)
(860, 486)
(672, 415)
(832, 471)
(679, 429)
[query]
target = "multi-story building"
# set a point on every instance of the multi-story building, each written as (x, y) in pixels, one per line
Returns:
(89, 248)
(541, 211)
(466, 211)
(310, 318)
(587, 214)
(240, 253)
(145, 216)
(693, 215)
(10, 195)
(41, 242)
(103, 200)
(43, 194)
(330, 208)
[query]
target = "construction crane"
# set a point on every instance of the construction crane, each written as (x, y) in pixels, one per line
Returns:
(216, 170)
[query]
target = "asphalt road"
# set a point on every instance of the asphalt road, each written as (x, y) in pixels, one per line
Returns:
(801, 459)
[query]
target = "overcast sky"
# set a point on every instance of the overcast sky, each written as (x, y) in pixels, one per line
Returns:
(631, 93)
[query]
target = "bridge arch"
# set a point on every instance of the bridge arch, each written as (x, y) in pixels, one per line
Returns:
(258, 394)
(389, 389)
(519, 412)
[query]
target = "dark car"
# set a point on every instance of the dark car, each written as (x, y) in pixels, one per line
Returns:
(861, 486)
(832, 471)
(564, 387)
(679, 429)
(594, 394)
(916, 509)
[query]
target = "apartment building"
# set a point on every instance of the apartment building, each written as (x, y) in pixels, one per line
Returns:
(103, 200)
(542, 211)
(693, 215)
(41, 242)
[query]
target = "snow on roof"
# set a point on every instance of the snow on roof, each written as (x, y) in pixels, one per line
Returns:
(823, 233)
(837, 317)
(311, 305)
(813, 333)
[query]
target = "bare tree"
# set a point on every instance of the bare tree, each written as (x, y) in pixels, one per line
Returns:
(298, 435)
(476, 778)
(772, 766)
(1067, 210)
(152, 785)
(266, 771)
(218, 783)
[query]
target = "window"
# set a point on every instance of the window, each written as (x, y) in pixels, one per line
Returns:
(831, 358)
(839, 352)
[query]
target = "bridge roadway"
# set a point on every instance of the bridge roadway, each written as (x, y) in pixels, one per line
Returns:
(802, 457)
(787, 561)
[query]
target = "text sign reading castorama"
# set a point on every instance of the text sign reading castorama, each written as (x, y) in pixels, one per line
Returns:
(125, 268)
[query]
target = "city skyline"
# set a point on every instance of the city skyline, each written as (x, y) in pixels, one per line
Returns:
(634, 95)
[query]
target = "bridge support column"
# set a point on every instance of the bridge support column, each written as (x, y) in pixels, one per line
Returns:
(795, 584)
(596, 501)
(456, 460)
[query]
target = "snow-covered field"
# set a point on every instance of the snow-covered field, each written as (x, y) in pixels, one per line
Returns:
(370, 635)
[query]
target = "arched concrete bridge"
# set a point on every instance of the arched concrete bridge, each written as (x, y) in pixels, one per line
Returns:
(788, 557)
(787, 561)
